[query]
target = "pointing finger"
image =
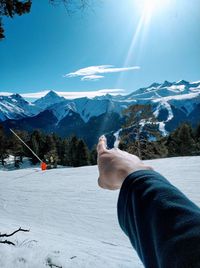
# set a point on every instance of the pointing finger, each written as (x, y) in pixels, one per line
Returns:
(102, 144)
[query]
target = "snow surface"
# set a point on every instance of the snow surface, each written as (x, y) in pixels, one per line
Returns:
(73, 223)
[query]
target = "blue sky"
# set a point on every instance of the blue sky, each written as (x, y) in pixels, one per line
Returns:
(125, 45)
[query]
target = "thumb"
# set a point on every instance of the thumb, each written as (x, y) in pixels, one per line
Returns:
(102, 144)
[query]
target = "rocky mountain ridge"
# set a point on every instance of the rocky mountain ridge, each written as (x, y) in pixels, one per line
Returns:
(172, 103)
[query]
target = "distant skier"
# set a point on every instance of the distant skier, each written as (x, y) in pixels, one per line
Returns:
(162, 224)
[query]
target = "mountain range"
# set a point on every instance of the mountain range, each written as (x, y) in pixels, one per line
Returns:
(172, 103)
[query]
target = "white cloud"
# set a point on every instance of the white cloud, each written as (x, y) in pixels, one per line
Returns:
(92, 77)
(5, 93)
(72, 94)
(34, 95)
(90, 94)
(95, 72)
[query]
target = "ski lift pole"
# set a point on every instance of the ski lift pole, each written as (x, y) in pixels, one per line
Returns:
(43, 165)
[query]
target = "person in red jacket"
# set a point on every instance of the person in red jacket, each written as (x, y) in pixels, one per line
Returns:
(162, 224)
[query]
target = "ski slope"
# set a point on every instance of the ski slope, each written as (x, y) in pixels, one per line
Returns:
(73, 223)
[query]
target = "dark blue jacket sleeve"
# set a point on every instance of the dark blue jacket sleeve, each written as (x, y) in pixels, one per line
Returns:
(162, 224)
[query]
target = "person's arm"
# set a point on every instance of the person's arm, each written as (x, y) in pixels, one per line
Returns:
(162, 224)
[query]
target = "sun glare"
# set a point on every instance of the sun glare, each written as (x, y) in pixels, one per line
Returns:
(150, 7)
(147, 9)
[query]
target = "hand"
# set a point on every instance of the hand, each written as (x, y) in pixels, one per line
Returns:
(115, 165)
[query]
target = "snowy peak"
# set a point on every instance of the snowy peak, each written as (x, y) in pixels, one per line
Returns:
(155, 85)
(52, 94)
(49, 99)
(183, 82)
(166, 89)
(17, 97)
(166, 84)
(183, 95)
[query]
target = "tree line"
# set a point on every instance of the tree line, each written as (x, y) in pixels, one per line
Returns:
(183, 141)
(49, 147)
(141, 136)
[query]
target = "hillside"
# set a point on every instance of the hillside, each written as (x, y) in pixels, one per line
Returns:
(73, 223)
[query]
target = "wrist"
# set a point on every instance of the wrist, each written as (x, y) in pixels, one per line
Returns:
(130, 170)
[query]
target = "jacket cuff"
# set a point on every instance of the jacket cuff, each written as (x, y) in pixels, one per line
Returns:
(126, 188)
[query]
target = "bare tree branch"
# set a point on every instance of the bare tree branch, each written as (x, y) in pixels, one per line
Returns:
(11, 234)
(10, 8)
(7, 242)
(72, 6)
(16, 231)
(50, 264)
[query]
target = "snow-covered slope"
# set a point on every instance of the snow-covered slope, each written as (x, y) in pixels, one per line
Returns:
(15, 107)
(87, 108)
(166, 89)
(73, 223)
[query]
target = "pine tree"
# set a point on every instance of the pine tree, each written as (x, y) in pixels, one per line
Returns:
(172, 144)
(35, 147)
(64, 153)
(197, 140)
(83, 154)
(73, 152)
(18, 149)
(154, 149)
(181, 141)
(50, 144)
(58, 145)
(93, 155)
(197, 132)
(37, 144)
(187, 144)
(3, 146)
(140, 127)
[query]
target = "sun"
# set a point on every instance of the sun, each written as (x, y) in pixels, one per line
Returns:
(150, 7)
(147, 10)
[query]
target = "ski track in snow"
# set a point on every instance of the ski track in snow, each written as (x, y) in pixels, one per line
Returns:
(73, 223)
(161, 124)
(117, 138)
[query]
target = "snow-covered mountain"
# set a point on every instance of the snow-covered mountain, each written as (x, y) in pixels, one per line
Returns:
(167, 89)
(172, 103)
(50, 98)
(87, 108)
(15, 107)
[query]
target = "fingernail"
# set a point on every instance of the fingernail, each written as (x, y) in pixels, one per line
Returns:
(102, 137)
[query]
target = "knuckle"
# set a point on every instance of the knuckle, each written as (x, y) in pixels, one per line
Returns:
(102, 153)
